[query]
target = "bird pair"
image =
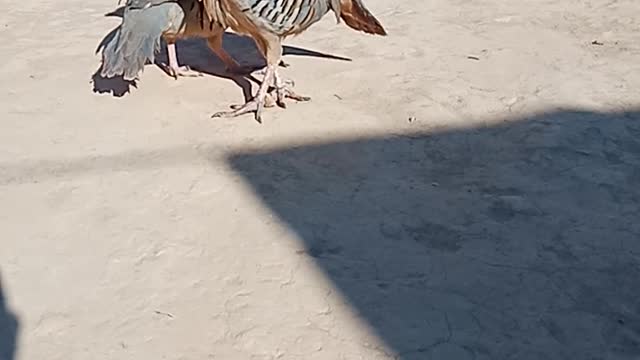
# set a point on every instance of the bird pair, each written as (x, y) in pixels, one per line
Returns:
(267, 22)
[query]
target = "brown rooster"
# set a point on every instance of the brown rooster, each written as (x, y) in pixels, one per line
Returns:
(268, 22)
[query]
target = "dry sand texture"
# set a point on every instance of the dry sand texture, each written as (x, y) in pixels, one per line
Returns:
(466, 188)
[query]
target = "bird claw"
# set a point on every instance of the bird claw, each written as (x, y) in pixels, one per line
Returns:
(264, 97)
(284, 92)
(255, 106)
(250, 106)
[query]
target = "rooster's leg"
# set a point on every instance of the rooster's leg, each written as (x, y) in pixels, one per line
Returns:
(284, 91)
(174, 69)
(257, 103)
(271, 48)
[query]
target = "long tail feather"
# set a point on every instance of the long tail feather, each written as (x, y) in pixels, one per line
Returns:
(137, 40)
(357, 17)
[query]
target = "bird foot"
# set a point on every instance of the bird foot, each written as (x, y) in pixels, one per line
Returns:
(283, 92)
(254, 105)
(184, 71)
(264, 97)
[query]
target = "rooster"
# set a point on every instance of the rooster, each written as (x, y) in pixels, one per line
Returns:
(268, 22)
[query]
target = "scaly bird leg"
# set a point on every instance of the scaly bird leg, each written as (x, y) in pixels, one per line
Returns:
(257, 103)
(283, 91)
(271, 48)
(215, 44)
(174, 69)
(287, 82)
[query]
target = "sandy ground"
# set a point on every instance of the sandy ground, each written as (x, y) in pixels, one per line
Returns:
(466, 188)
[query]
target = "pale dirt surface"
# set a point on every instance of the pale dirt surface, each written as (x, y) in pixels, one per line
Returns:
(502, 222)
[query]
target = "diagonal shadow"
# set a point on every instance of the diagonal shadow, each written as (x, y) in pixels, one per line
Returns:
(195, 53)
(8, 329)
(514, 241)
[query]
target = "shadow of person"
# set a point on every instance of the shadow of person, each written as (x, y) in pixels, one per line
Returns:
(513, 241)
(8, 329)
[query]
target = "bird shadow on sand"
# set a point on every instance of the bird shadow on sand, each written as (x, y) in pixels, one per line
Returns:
(195, 54)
